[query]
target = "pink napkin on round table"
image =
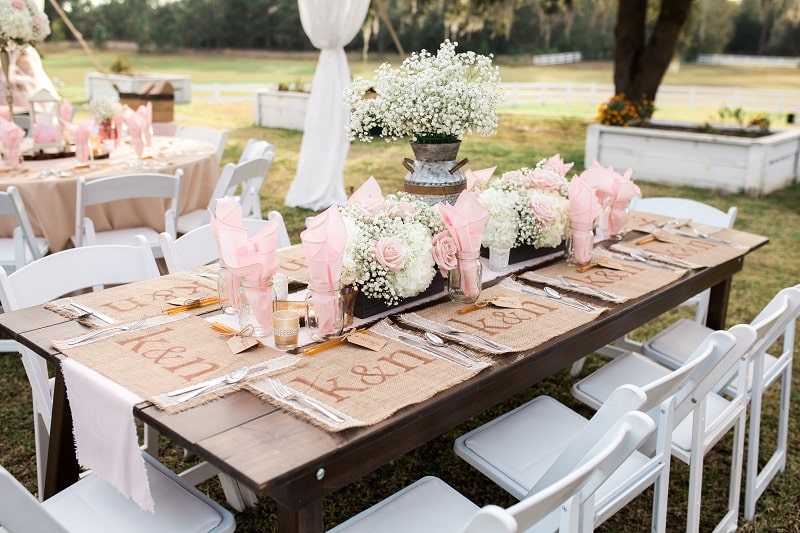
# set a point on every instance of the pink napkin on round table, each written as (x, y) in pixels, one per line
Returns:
(324, 242)
(145, 112)
(65, 112)
(246, 257)
(11, 136)
(81, 133)
(369, 197)
(135, 126)
(465, 220)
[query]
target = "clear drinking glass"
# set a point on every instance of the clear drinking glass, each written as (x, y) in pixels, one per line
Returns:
(464, 281)
(324, 311)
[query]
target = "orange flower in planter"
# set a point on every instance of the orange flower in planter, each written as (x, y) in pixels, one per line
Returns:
(619, 111)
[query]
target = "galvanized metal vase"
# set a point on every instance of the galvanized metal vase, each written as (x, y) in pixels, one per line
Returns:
(435, 176)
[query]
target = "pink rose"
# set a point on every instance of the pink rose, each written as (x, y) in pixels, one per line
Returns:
(542, 210)
(547, 179)
(390, 253)
(444, 252)
(406, 209)
(18, 4)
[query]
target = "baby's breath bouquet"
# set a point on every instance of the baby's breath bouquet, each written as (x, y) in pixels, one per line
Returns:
(389, 253)
(429, 98)
(527, 206)
(104, 108)
(21, 23)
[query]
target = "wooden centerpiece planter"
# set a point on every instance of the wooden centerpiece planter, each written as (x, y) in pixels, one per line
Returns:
(274, 108)
(729, 160)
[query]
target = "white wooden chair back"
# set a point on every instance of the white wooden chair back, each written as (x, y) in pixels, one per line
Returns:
(198, 247)
(24, 246)
(124, 187)
(255, 148)
(699, 212)
(52, 277)
(245, 180)
(216, 138)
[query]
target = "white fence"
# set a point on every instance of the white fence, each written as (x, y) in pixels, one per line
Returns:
(576, 94)
(557, 59)
(748, 61)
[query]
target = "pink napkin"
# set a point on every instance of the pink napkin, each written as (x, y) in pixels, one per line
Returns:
(81, 133)
(11, 136)
(465, 221)
(368, 197)
(556, 163)
(478, 178)
(145, 112)
(324, 241)
(584, 208)
(136, 128)
(623, 192)
(247, 258)
(65, 112)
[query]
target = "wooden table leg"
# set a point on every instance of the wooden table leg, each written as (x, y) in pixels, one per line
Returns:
(718, 305)
(305, 520)
(62, 464)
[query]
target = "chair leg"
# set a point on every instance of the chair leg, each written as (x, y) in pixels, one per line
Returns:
(696, 468)
(41, 440)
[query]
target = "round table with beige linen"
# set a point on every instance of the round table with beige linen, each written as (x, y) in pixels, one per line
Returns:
(48, 187)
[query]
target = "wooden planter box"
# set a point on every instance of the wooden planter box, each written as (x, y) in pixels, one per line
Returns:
(280, 109)
(754, 166)
(98, 84)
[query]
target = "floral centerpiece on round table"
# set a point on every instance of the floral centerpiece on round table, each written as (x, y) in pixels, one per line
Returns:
(527, 206)
(21, 23)
(389, 253)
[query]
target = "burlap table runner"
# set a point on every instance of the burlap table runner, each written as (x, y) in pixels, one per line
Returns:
(363, 386)
(537, 321)
(125, 303)
(693, 250)
(647, 222)
(169, 353)
(633, 281)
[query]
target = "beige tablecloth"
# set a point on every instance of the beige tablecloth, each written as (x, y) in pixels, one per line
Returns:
(50, 198)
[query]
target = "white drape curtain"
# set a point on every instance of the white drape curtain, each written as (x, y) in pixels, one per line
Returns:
(319, 182)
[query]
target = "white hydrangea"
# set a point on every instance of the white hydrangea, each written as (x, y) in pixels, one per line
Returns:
(502, 223)
(22, 22)
(104, 108)
(438, 97)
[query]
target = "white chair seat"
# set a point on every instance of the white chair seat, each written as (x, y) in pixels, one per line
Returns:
(93, 506)
(126, 235)
(428, 505)
(631, 368)
(191, 220)
(8, 255)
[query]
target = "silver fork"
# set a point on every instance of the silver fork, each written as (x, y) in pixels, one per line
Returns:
(568, 283)
(99, 333)
(287, 394)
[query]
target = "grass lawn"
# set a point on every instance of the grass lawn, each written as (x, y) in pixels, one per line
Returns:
(522, 140)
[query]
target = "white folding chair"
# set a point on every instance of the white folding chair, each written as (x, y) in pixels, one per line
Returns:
(20, 249)
(702, 415)
(255, 148)
(430, 505)
(92, 505)
(52, 277)
(237, 180)
(676, 208)
(126, 187)
(669, 348)
(198, 247)
(216, 138)
(512, 450)
(24, 246)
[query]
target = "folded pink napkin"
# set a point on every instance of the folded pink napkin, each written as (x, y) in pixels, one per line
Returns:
(145, 112)
(105, 431)
(252, 258)
(465, 220)
(600, 178)
(368, 197)
(136, 129)
(556, 163)
(81, 133)
(324, 241)
(65, 112)
(11, 136)
(623, 192)
(478, 178)
(584, 208)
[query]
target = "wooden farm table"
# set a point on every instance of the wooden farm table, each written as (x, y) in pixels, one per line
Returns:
(297, 463)
(48, 187)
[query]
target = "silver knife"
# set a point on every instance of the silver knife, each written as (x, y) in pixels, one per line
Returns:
(105, 318)
(569, 302)
(431, 350)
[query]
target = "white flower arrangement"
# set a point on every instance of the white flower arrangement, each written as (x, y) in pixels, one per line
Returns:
(21, 23)
(430, 98)
(389, 253)
(527, 206)
(104, 108)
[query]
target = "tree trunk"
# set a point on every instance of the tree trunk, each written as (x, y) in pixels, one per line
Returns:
(640, 63)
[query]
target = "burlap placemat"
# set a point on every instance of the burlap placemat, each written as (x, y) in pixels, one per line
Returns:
(692, 250)
(173, 352)
(648, 222)
(630, 280)
(535, 322)
(126, 303)
(363, 386)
